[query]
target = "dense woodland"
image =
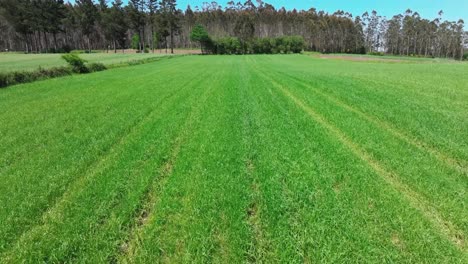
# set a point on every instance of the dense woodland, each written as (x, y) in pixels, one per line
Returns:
(58, 26)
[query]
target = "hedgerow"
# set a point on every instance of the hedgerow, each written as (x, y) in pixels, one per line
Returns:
(279, 45)
(77, 65)
(12, 78)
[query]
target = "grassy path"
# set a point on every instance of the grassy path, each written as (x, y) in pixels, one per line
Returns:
(237, 159)
(29, 62)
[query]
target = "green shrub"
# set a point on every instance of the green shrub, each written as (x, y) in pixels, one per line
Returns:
(375, 53)
(55, 72)
(263, 46)
(136, 42)
(12, 78)
(77, 63)
(297, 44)
(286, 44)
(228, 45)
(465, 56)
(361, 50)
(95, 67)
(6, 79)
(200, 35)
(21, 77)
(64, 49)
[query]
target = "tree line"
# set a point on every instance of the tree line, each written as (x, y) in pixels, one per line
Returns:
(146, 25)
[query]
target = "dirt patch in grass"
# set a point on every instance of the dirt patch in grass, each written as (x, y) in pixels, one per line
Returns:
(356, 58)
(163, 51)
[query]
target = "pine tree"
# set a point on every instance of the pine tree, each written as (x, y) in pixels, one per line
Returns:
(170, 19)
(200, 35)
(136, 14)
(88, 16)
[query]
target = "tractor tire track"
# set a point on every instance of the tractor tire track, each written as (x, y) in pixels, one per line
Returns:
(460, 166)
(129, 246)
(253, 210)
(445, 227)
(99, 165)
(21, 155)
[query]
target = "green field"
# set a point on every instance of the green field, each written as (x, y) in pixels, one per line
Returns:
(27, 62)
(230, 159)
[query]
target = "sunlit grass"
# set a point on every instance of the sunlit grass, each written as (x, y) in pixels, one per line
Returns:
(230, 159)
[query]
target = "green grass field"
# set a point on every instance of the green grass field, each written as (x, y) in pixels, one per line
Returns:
(28, 62)
(230, 159)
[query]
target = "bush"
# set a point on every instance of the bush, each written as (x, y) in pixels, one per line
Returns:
(55, 72)
(12, 78)
(65, 49)
(95, 67)
(287, 44)
(297, 44)
(77, 63)
(465, 56)
(6, 79)
(200, 35)
(83, 51)
(228, 46)
(136, 42)
(375, 53)
(22, 77)
(263, 46)
(361, 50)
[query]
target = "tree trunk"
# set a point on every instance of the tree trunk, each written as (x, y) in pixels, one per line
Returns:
(462, 49)
(152, 38)
(46, 42)
(407, 48)
(38, 43)
(55, 42)
(89, 44)
(27, 48)
(172, 41)
(143, 40)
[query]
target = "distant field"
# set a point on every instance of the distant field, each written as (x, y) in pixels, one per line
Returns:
(235, 159)
(26, 62)
(385, 58)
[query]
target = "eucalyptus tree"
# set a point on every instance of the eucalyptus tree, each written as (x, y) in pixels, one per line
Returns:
(31, 24)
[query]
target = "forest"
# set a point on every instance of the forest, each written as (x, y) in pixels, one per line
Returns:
(47, 26)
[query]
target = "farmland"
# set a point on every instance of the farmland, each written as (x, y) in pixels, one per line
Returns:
(29, 62)
(286, 158)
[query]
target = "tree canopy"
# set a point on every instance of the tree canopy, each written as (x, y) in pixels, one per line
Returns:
(52, 25)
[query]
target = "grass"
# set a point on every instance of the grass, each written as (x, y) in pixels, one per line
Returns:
(10, 62)
(284, 158)
(384, 58)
